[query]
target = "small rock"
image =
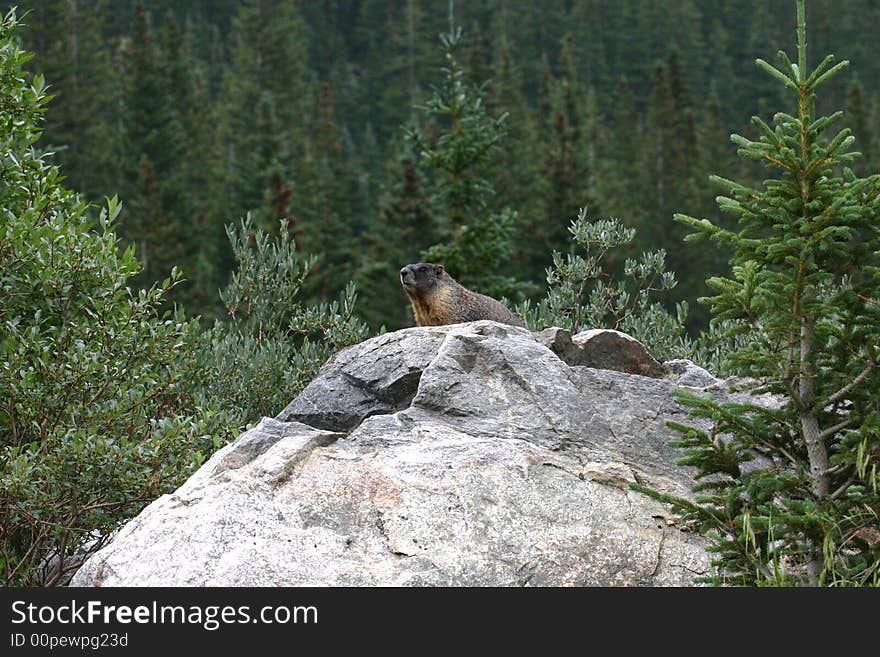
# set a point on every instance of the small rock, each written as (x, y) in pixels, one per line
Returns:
(558, 340)
(688, 373)
(604, 349)
(608, 349)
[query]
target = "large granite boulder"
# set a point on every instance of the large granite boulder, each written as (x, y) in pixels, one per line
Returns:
(455, 455)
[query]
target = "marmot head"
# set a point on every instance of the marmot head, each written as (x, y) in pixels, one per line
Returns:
(421, 276)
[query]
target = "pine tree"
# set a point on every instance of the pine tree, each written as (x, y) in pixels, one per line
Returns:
(268, 72)
(475, 239)
(684, 145)
(158, 219)
(873, 145)
(517, 166)
(198, 169)
(405, 55)
(685, 191)
(758, 90)
(658, 185)
(723, 75)
(858, 119)
(586, 20)
(623, 184)
(402, 231)
(326, 189)
(565, 183)
(66, 36)
(805, 295)
(715, 154)
(536, 29)
(687, 39)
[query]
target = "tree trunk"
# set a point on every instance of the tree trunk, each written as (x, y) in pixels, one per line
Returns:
(816, 450)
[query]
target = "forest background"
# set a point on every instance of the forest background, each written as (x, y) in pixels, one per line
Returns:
(196, 113)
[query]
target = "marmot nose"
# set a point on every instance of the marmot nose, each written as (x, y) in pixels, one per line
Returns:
(404, 270)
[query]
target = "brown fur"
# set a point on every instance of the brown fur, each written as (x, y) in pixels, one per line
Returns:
(438, 299)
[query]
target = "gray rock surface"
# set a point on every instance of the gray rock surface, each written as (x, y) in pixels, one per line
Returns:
(558, 340)
(687, 373)
(455, 455)
(612, 350)
(605, 349)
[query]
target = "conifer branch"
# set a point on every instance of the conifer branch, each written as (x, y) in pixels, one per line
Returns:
(830, 431)
(834, 71)
(802, 39)
(777, 162)
(776, 73)
(873, 302)
(842, 489)
(840, 467)
(852, 385)
(811, 81)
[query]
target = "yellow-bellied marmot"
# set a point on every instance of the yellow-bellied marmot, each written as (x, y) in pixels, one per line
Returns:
(437, 298)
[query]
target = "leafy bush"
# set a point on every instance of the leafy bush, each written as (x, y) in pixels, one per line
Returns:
(581, 295)
(94, 393)
(273, 344)
(108, 401)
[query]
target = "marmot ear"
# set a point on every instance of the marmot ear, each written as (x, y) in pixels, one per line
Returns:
(438, 269)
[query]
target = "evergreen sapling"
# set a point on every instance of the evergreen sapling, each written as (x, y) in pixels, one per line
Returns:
(803, 292)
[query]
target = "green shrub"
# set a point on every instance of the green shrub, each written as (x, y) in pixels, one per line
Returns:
(581, 294)
(95, 418)
(273, 344)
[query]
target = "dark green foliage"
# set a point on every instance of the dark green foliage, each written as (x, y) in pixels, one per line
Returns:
(862, 121)
(288, 109)
(568, 134)
(803, 296)
(198, 167)
(327, 200)
(262, 119)
(95, 418)
(159, 135)
(197, 113)
(517, 166)
(475, 238)
(405, 230)
(273, 343)
(82, 129)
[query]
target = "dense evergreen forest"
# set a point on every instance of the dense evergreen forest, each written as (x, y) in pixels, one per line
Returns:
(196, 113)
